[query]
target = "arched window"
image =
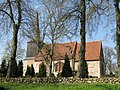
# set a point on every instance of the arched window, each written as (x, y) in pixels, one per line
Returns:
(58, 66)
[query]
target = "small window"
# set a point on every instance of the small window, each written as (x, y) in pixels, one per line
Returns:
(58, 67)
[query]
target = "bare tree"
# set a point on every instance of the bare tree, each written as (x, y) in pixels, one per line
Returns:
(7, 51)
(7, 9)
(117, 9)
(82, 69)
(88, 13)
(113, 9)
(108, 7)
(51, 24)
(37, 33)
(109, 59)
(95, 9)
(11, 14)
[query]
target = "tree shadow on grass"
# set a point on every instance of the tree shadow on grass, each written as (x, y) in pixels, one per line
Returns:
(2, 88)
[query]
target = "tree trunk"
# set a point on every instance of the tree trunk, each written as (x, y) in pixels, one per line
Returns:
(82, 33)
(73, 64)
(13, 52)
(12, 63)
(117, 9)
(51, 56)
(50, 72)
(49, 65)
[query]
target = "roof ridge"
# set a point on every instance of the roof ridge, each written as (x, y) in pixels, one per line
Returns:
(79, 42)
(93, 41)
(67, 42)
(96, 41)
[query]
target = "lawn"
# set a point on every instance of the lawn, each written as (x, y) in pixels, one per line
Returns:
(19, 86)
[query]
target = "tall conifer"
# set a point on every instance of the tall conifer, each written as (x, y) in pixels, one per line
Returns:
(66, 71)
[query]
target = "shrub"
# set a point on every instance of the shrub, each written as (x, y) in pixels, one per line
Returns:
(75, 73)
(20, 69)
(59, 74)
(27, 71)
(111, 73)
(32, 71)
(42, 70)
(3, 69)
(37, 75)
(0, 73)
(52, 75)
(13, 70)
(66, 71)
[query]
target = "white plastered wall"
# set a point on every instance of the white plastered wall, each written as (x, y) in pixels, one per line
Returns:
(93, 68)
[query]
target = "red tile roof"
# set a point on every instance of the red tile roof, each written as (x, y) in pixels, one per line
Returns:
(93, 50)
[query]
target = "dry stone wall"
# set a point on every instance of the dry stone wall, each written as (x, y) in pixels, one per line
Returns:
(62, 80)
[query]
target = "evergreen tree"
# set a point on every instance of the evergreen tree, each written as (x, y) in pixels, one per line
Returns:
(83, 69)
(27, 71)
(32, 71)
(13, 70)
(42, 70)
(3, 68)
(66, 71)
(20, 69)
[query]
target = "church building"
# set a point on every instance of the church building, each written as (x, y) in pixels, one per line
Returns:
(93, 56)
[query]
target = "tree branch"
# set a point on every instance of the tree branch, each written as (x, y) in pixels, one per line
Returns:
(11, 13)
(7, 14)
(19, 13)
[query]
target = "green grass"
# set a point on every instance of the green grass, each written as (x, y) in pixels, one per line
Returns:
(19, 86)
